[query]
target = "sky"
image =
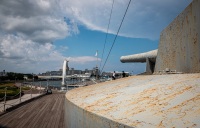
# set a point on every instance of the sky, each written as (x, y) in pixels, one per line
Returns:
(36, 36)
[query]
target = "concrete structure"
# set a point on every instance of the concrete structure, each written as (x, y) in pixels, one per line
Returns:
(179, 47)
(139, 101)
(148, 101)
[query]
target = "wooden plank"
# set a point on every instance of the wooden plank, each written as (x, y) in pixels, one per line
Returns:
(57, 122)
(47, 111)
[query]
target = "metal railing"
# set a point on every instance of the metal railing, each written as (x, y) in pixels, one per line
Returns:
(10, 101)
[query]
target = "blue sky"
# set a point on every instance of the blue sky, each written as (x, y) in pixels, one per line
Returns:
(94, 40)
(36, 36)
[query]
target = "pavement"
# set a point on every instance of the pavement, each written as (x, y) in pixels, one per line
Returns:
(11, 103)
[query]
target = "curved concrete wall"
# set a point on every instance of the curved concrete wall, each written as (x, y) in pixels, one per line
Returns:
(149, 101)
(179, 47)
(77, 117)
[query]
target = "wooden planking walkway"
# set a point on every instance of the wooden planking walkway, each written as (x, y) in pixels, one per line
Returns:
(45, 112)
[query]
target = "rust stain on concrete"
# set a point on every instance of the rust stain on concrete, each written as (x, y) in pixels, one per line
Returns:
(144, 101)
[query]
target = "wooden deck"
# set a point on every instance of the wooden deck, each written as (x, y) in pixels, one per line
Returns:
(45, 112)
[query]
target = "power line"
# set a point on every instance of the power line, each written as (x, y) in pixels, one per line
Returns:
(116, 35)
(106, 34)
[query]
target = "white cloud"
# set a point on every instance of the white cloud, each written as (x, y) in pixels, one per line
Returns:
(26, 55)
(28, 28)
(145, 18)
(34, 21)
(14, 47)
(17, 54)
(83, 59)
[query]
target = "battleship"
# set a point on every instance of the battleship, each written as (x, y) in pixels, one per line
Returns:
(166, 95)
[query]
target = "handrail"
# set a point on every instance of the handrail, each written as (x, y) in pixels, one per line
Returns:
(14, 95)
(2, 98)
(12, 104)
(5, 98)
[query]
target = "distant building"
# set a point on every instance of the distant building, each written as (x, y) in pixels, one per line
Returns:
(52, 73)
(3, 73)
(71, 71)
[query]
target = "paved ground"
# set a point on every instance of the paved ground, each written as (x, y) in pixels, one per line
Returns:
(45, 112)
(13, 102)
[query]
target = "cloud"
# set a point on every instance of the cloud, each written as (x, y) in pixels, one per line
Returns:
(28, 28)
(26, 54)
(14, 47)
(17, 54)
(38, 20)
(27, 32)
(144, 19)
(84, 59)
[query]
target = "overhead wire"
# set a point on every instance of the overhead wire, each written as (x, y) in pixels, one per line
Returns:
(116, 36)
(106, 34)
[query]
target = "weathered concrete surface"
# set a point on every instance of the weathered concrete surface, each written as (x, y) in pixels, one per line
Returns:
(137, 101)
(179, 47)
(141, 57)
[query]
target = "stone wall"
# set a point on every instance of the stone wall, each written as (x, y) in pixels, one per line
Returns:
(179, 47)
